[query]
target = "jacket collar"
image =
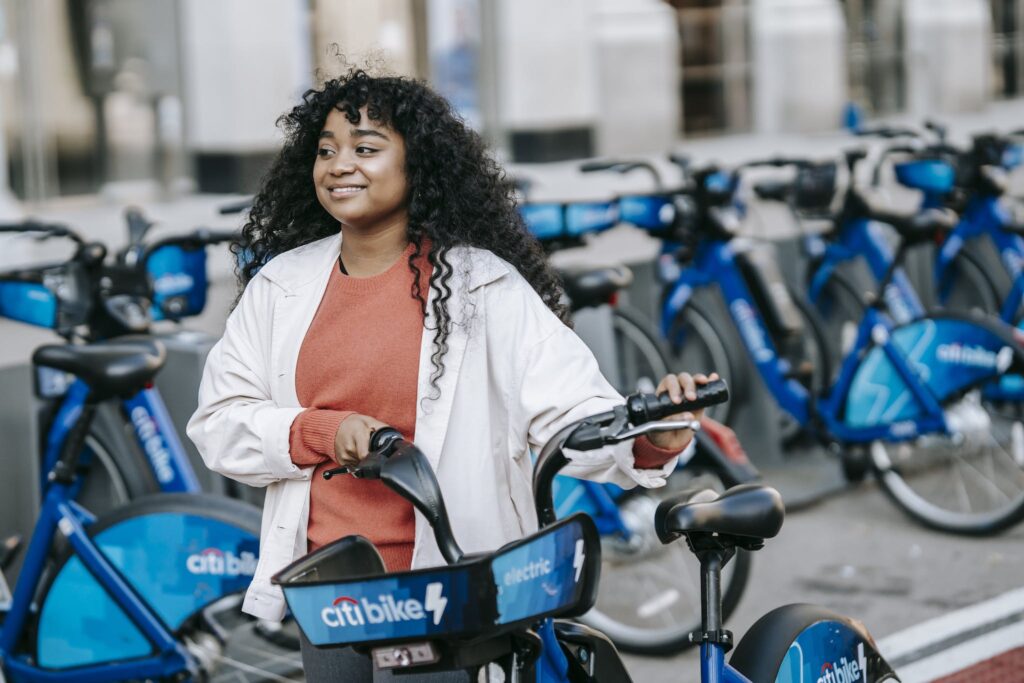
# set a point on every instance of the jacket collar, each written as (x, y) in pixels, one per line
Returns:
(298, 267)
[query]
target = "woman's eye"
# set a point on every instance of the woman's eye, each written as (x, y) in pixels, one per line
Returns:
(365, 150)
(324, 152)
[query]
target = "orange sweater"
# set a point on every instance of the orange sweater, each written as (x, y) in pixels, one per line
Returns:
(361, 355)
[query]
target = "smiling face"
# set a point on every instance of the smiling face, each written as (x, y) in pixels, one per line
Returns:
(359, 173)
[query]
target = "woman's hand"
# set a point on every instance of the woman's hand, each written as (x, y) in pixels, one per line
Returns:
(679, 386)
(352, 440)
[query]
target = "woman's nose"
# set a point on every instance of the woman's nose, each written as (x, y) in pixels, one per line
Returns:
(342, 165)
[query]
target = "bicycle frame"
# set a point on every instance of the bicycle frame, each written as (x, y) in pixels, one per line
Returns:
(714, 263)
(60, 512)
(985, 216)
(153, 430)
(713, 668)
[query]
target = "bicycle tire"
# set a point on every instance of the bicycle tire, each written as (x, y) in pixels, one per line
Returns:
(621, 588)
(840, 309)
(239, 514)
(971, 288)
(642, 357)
(916, 480)
(111, 431)
(715, 356)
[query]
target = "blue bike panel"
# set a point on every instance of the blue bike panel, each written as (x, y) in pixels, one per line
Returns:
(584, 217)
(28, 302)
(948, 354)
(831, 651)
(931, 176)
(647, 212)
(541, 575)
(545, 221)
(197, 561)
(178, 274)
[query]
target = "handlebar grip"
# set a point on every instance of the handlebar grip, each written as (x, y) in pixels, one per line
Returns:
(384, 437)
(236, 207)
(595, 166)
(650, 407)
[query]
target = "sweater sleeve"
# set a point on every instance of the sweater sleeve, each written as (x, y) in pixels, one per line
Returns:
(647, 456)
(311, 439)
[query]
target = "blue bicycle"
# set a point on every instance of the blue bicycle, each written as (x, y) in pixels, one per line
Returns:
(906, 395)
(505, 609)
(132, 448)
(135, 593)
(645, 606)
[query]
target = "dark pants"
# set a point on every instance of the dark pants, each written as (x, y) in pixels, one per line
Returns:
(346, 665)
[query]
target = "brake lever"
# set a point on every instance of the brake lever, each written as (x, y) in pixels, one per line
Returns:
(651, 427)
(367, 468)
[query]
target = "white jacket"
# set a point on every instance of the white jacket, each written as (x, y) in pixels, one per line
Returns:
(514, 375)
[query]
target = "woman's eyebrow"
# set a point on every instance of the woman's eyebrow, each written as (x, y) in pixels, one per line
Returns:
(326, 134)
(368, 132)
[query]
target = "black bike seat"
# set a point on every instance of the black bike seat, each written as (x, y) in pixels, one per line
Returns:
(594, 286)
(120, 367)
(744, 513)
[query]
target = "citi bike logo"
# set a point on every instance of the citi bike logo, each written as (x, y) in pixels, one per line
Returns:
(216, 562)
(346, 611)
(173, 283)
(975, 356)
(538, 569)
(752, 332)
(845, 671)
(153, 444)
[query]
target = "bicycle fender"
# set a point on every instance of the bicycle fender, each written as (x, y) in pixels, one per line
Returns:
(800, 643)
(950, 353)
(179, 553)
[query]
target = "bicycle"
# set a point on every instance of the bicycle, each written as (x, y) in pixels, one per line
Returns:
(135, 593)
(906, 397)
(689, 322)
(505, 608)
(630, 354)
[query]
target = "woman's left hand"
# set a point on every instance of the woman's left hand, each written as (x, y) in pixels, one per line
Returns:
(679, 386)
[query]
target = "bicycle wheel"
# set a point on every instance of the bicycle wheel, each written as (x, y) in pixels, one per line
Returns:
(112, 468)
(971, 482)
(840, 309)
(702, 350)
(649, 599)
(640, 355)
(971, 288)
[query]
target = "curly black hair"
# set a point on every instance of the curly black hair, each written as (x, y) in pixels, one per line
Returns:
(458, 194)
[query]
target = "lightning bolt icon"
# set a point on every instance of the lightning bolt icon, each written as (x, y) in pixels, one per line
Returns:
(435, 602)
(577, 560)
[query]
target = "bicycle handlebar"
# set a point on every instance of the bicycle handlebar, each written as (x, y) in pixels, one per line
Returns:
(236, 207)
(623, 422)
(623, 166)
(45, 230)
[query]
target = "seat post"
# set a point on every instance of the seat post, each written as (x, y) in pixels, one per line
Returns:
(711, 562)
(64, 469)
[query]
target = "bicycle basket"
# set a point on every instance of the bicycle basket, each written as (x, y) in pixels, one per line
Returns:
(815, 186)
(54, 297)
(179, 281)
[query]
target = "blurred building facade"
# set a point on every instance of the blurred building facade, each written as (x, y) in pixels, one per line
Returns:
(175, 95)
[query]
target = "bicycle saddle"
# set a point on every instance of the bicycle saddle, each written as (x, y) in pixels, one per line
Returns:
(745, 515)
(595, 286)
(115, 368)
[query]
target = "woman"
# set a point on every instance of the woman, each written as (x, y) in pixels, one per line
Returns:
(392, 282)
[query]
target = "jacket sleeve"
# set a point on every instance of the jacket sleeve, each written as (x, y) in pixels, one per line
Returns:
(561, 383)
(239, 430)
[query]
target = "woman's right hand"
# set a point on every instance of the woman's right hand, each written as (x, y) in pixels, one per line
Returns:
(352, 440)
